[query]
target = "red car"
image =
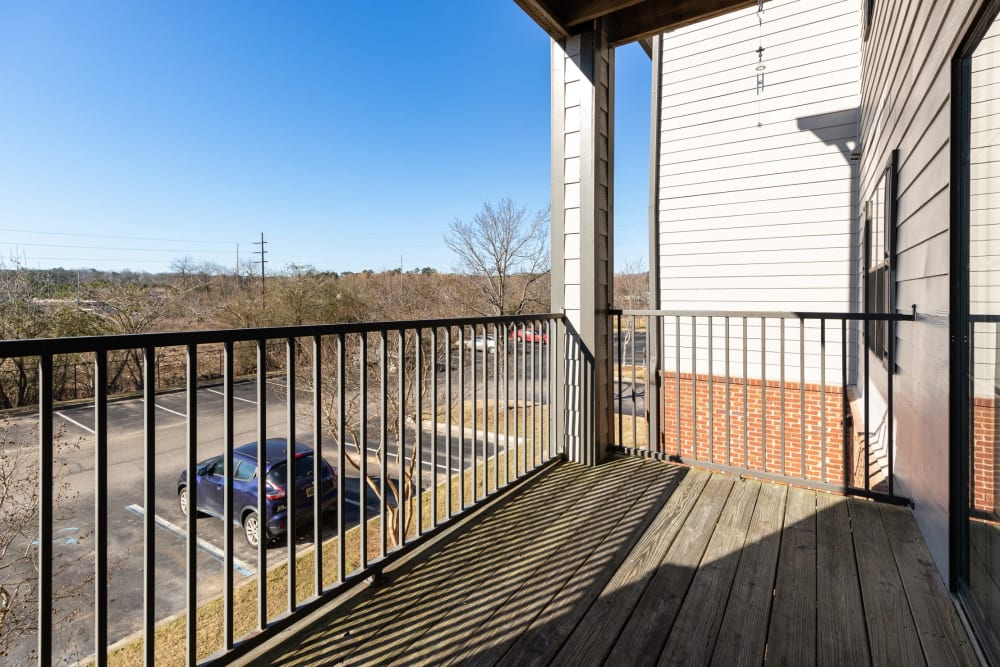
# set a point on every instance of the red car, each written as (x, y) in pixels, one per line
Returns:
(530, 335)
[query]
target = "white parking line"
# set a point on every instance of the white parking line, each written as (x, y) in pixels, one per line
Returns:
(173, 412)
(237, 398)
(240, 566)
(76, 423)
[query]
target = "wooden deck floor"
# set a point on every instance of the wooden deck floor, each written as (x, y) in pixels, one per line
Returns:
(637, 562)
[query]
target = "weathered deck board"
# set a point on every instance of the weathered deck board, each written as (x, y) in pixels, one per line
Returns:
(791, 638)
(984, 542)
(502, 574)
(547, 633)
(596, 633)
(743, 635)
(941, 633)
(604, 530)
(376, 618)
(892, 635)
(839, 612)
(643, 637)
(633, 560)
(692, 638)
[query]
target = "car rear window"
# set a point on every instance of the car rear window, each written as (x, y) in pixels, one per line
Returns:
(303, 470)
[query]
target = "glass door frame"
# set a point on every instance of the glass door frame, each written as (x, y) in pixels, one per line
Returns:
(959, 321)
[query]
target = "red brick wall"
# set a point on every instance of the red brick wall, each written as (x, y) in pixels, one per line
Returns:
(759, 426)
(984, 443)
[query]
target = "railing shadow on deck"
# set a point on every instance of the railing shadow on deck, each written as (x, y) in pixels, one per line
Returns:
(729, 575)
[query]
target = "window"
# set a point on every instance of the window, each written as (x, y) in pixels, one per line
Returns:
(880, 242)
(244, 470)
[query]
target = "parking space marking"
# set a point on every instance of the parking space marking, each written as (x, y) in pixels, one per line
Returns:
(75, 422)
(240, 566)
(235, 398)
(173, 412)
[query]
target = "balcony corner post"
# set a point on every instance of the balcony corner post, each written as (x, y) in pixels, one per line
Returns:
(582, 235)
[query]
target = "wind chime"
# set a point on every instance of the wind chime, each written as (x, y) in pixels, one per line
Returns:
(760, 58)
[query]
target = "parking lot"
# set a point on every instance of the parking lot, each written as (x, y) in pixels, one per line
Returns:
(74, 525)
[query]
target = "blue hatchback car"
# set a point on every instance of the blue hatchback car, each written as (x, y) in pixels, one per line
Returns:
(212, 485)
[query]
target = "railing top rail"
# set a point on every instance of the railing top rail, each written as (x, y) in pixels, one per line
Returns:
(984, 318)
(37, 346)
(800, 315)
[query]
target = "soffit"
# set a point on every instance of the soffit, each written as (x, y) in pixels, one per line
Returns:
(625, 20)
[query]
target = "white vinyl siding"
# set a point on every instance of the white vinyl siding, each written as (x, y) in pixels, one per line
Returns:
(757, 192)
(906, 105)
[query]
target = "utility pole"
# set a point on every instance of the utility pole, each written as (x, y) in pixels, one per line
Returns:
(262, 252)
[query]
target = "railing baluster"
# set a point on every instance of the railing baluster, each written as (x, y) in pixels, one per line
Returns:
(845, 407)
(227, 500)
(46, 509)
(711, 392)
(802, 398)
(506, 406)
(192, 517)
(101, 507)
(822, 400)
(261, 484)
(635, 411)
(746, 407)
(418, 435)
(517, 402)
(496, 407)
(434, 427)
(461, 418)
(619, 372)
(763, 393)
(729, 405)
(342, 459)
(291, 514)
(318, 486)
(530, 389)
(149, 507)
(890, 329)
(677, 380)
(475, 392)
(362, 447)
(781, 322)
(383, 445)
(448, 426)
(694, 388)
(403, 488)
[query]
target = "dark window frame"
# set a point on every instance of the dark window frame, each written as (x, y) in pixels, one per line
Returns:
(880, 272)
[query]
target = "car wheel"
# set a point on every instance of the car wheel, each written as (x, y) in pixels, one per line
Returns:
(182, 500)
(251, 529)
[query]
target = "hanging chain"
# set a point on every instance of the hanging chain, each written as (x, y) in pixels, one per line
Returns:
(760, 46)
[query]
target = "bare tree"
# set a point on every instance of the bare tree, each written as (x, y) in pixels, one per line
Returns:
(632, 292)
(19, 508)
(507, 249)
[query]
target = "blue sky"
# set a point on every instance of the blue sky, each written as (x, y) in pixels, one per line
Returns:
(136, 133)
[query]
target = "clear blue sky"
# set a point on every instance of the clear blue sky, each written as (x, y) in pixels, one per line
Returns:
(136, 133)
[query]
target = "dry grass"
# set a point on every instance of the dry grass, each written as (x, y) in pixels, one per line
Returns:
(628, 425)
(171, 634)
(627, 370)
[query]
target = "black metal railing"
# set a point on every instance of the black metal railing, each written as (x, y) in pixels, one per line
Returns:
(422, 420)
(781, 396)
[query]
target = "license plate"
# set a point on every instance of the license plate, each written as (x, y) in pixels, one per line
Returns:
(309, 492)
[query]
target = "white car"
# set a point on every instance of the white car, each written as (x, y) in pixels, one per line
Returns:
(481, 343)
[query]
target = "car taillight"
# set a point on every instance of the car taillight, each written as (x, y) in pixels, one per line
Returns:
(274, 492)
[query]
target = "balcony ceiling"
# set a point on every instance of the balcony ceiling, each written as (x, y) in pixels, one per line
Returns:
(627, 20)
